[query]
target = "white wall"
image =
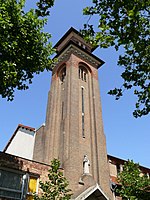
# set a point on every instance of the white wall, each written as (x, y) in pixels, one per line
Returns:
(22, 144)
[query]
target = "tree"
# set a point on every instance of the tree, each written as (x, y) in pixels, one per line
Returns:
(125, 24)
(43, 7)
(134, 185)
(56, 186)
(24, 47)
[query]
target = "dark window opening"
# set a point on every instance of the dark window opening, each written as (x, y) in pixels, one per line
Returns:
(10, 184)
(82, 73)
(84, 76)
(82, 93)
(16, 185)
(118, 168)
(83, 135)
(63, 74)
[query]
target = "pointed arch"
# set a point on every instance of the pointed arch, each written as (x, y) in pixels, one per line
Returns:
(85, 66)
(83, 71)
(61, 73)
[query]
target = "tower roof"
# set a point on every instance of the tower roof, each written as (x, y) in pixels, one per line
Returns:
(73, 36)
(73, 41)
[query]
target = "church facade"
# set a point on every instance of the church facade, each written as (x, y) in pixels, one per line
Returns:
(73, 132)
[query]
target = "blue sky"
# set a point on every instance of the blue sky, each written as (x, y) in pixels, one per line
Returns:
(127, 137)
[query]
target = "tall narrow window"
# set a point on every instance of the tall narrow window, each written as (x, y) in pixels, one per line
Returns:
(83, 134)
(82, 93)
(82, 73)
(62, 116)
(118, 168)
(63, 74)
(82, 96)
(84, 76)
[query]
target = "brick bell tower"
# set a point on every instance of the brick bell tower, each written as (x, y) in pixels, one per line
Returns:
(74, 128)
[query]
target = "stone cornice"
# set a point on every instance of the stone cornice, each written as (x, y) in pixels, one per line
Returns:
(81, 53)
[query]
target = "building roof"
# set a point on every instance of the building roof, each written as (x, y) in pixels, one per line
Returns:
(14, 134)
(74, 35)
(116, 160)
(73, 41)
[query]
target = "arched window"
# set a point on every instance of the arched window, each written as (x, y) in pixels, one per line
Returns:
(62, 74)
(83, 73)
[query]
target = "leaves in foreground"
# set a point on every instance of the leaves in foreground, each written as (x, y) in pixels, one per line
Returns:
(24, 47)
(134, 184)
(125, 24)
(56, 187)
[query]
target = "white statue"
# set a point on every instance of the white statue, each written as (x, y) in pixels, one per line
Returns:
(86, 165)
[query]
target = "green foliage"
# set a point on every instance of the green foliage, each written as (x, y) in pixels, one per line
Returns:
(43, 7)
(24, 48)
(134, 186)
(125, 24)
(56, 186)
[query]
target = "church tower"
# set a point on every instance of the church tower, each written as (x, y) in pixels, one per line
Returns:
(74, 129)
